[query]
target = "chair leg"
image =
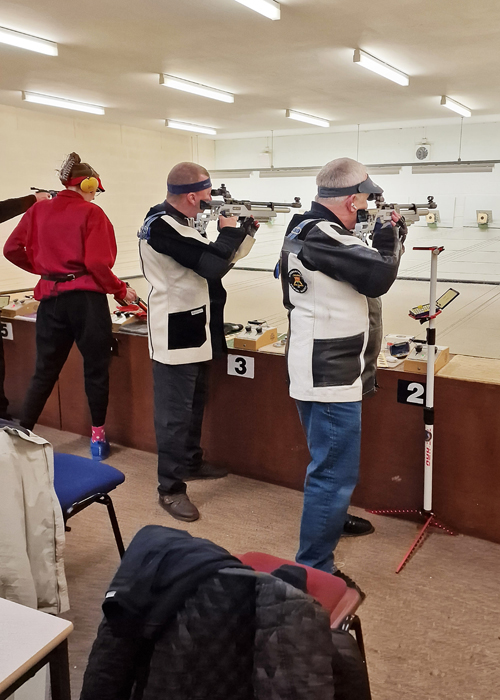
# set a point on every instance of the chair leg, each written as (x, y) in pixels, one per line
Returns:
(106, 500)
(358, 632)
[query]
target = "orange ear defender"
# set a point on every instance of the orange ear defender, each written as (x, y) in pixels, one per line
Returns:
(90, 184)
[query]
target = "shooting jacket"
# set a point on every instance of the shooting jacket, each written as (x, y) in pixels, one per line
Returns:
(331, 283)
(66, 235)
(186, 296)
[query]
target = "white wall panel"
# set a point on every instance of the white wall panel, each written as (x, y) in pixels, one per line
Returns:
(133, 164)
(313, 149)
(243, 153)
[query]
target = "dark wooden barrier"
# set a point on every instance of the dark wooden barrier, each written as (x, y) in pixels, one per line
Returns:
(251, 427)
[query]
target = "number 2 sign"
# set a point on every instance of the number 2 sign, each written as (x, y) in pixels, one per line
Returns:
(240, 366)
(412, 393)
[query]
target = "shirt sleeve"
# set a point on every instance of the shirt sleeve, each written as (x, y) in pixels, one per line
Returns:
(10, 208)
(100, 253)
(15, 248)
(371, 271)
(211, 260)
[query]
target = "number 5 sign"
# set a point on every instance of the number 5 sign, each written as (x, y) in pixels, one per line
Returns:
(240, 366)
(6, 331)
(412, 393)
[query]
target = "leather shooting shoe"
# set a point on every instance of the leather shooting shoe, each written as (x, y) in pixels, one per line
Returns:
(179, 506)
(207, 471)
(356, 527)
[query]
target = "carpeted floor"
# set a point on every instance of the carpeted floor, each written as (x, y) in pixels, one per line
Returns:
(432, 632)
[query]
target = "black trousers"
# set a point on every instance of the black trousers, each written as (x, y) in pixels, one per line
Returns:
(179, 402)
(3, 399)
(81, 317)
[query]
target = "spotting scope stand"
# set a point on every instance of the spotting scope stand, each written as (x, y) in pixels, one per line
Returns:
(426, 512)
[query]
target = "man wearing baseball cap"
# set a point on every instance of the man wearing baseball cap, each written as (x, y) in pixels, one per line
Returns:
(186, 325)
(332, 282)
(70, 243)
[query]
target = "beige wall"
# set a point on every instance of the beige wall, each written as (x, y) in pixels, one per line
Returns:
(133, 164)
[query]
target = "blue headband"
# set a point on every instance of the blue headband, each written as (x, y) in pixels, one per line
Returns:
(194, 187)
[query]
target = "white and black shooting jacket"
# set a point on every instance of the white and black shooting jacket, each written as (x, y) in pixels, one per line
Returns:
(331, 283)
(186, 297)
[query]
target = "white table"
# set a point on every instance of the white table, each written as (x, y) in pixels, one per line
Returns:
(29, 639)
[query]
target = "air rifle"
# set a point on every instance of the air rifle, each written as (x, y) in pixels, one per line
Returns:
(249, 213)
(53, 193)
(410, 213)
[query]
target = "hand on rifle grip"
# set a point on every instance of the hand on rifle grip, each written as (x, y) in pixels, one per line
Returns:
(250, 226)
(402, 229)
(227, 221)
(130, 296)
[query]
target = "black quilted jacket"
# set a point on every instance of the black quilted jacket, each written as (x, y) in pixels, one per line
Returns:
(241, 636)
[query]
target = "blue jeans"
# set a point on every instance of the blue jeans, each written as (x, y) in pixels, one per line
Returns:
(333, 432)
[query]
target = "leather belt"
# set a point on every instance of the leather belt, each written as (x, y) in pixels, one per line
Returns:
(64, 278)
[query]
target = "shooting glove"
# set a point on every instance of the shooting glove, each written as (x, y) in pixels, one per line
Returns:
(402, 230)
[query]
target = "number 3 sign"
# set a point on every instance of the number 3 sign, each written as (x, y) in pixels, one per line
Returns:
(240, 366)
(412, 393)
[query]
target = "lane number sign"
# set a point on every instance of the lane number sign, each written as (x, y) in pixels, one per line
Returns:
(411, 393)
(6, 331)
(241, 366)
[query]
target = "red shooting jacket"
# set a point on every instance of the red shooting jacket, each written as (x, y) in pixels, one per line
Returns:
(66, 235)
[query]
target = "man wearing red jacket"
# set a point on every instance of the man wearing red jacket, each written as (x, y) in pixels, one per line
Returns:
(71, 244)
(10, 208)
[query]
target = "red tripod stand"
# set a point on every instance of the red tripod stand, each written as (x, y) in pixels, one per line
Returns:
(426, 511)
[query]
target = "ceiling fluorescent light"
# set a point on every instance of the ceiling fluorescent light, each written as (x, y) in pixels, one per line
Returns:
(300, 117)
(268, 8)
(455, 106)
(61, 102)
(430, 169)
(373, 64)
(195, 88)
(26, 41)
(184, 126)
(225, 174)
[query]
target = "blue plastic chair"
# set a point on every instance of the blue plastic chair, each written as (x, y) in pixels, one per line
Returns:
(79, 482)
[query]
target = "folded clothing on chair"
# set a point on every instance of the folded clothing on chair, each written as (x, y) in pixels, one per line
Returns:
(161, 568)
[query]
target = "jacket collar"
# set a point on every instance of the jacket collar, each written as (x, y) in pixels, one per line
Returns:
(70, 193)
(172, 211)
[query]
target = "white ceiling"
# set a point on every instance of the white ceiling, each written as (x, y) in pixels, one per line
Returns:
(112, 51)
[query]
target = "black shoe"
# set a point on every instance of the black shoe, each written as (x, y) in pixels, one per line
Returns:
(349, 582)
(206, 471)
(179, 506)
(356, 527)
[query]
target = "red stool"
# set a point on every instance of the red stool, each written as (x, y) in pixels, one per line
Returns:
(330, 591)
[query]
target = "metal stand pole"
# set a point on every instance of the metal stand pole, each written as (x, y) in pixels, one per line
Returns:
(429, 391)
(426, 512)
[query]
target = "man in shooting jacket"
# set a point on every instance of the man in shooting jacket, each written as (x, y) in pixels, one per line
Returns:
(186, 325)
(331, 283)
